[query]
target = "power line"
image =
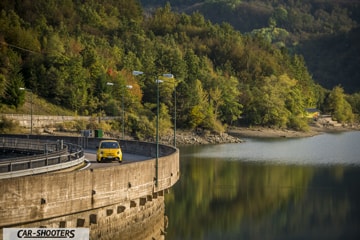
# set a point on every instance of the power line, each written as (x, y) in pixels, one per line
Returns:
(14, 46)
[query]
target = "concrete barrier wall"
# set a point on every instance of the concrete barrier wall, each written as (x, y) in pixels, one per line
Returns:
(41, 121)
(33, 198)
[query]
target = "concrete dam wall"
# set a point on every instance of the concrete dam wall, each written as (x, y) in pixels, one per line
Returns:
(111, 200)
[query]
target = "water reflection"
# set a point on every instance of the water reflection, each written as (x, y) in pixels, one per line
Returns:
(246, 191)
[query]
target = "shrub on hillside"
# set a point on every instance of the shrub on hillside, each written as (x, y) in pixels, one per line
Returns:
(8, 125)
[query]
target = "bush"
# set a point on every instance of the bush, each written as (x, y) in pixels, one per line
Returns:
(8, 125)
(298, 124)
(141, 127)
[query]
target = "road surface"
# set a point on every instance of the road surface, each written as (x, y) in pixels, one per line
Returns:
(90, 157)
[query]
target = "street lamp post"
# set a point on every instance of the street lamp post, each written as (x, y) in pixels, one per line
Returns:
(107, 84)
(157, 132)
(123, 112)
(175, 115)
(31, 107)
(158, 81)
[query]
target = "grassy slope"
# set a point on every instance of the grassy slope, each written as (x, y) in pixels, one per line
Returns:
(40, 107)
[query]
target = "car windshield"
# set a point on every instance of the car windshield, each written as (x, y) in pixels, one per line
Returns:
(109, 145)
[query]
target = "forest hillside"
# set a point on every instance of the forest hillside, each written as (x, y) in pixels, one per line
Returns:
(82, 55)
(326, 33)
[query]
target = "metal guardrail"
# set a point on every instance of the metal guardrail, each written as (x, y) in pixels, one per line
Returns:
(35, 146)
(47, 156)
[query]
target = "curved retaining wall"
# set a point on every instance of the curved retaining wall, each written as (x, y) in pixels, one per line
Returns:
(142, 219)
(34, 198)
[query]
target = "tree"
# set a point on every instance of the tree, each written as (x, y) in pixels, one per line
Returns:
(305, 82)
(77, 96)
(163, 21)
(354, 101)
(14, 33)
(278, 102)
(13, 95)
(164, 120)
(11, 78)
(338, 106)
(197, 114)
(2, 85)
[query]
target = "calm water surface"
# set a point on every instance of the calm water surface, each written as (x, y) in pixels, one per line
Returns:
(305, 188)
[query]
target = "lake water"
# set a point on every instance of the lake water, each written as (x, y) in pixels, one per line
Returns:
(306, 188)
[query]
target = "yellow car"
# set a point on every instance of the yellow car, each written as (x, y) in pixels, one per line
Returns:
(109, 150)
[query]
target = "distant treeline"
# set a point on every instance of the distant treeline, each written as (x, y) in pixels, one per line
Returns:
(326, 33)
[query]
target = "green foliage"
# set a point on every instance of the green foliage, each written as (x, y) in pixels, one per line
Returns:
(198, 114)
(13, 95)
(80, 125)
(165, 124)
(274, 35)
(326, 33)
(2, 85)
(8, 126)
(354, 101)
(297, 123)
(141, 127)
(338, 106)
(278, 102)
(71, 50)
(10, 78)
(15, 31)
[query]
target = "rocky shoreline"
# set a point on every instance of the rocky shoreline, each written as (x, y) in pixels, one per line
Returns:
(194, 138)
(237, 134)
